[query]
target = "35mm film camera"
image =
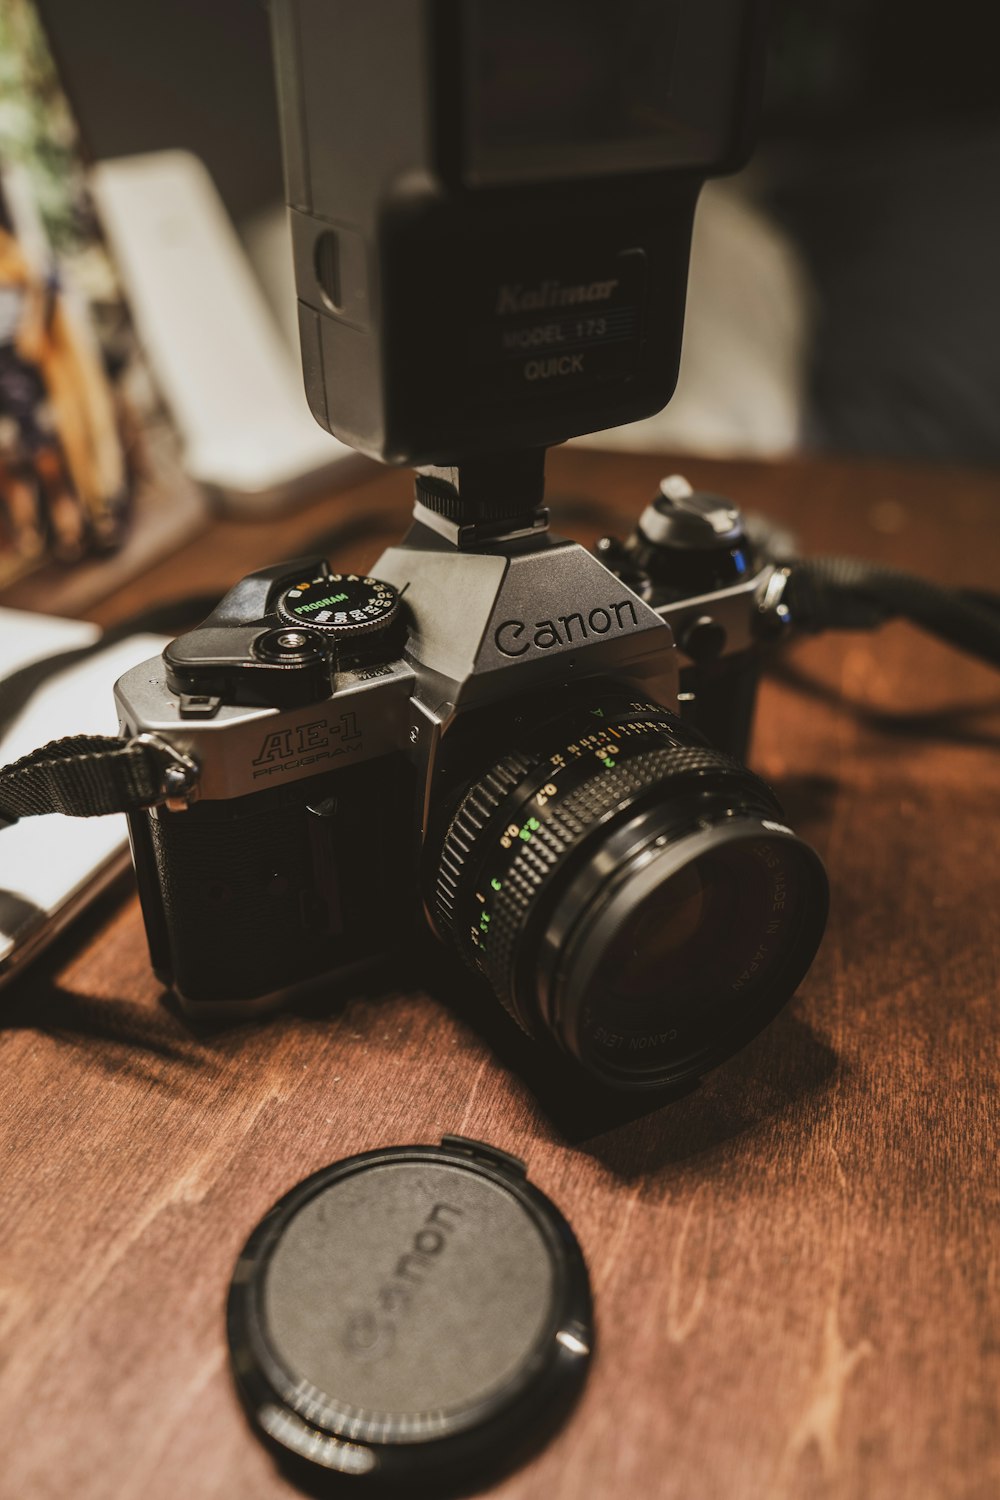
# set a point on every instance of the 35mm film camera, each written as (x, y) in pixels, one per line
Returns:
(496, 726)
(491, 214)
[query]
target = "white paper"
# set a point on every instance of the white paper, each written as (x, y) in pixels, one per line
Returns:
(46, 861)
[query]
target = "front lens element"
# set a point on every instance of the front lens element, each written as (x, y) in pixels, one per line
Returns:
(631, 892)
(689, 951)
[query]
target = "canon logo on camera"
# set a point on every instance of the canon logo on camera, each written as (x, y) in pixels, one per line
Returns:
(511, 638)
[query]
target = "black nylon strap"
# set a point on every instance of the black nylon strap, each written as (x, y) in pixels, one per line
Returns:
(847, 593)
(86, 776)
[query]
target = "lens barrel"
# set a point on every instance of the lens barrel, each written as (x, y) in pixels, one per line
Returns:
(630, 891)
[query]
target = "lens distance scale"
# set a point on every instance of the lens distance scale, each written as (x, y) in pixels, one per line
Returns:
(342, 604)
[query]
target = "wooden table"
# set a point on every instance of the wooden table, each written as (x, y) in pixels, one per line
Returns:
(796, 1268)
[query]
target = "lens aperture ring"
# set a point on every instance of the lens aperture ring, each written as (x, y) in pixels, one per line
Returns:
(467, 826)
(482, 800)
(648, 776)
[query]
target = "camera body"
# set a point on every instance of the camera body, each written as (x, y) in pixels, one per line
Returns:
(491, 207)
(342, 727)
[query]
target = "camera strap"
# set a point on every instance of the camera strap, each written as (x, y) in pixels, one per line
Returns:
(86, 776)
(849, 593)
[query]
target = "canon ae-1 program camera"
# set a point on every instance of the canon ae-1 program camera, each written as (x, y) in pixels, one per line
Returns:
(495, 726)
(535, 745)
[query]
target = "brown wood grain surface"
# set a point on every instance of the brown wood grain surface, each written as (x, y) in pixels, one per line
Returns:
(795, 1268)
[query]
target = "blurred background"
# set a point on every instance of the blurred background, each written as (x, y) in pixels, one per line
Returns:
(844, 290)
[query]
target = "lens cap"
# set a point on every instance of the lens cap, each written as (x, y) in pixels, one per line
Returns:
(413, 1313)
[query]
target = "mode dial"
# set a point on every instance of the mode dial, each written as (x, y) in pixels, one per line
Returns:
(344, 606)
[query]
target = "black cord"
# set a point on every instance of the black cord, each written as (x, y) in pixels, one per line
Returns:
(846, 593)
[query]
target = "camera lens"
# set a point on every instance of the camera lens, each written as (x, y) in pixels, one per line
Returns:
(630, 892)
